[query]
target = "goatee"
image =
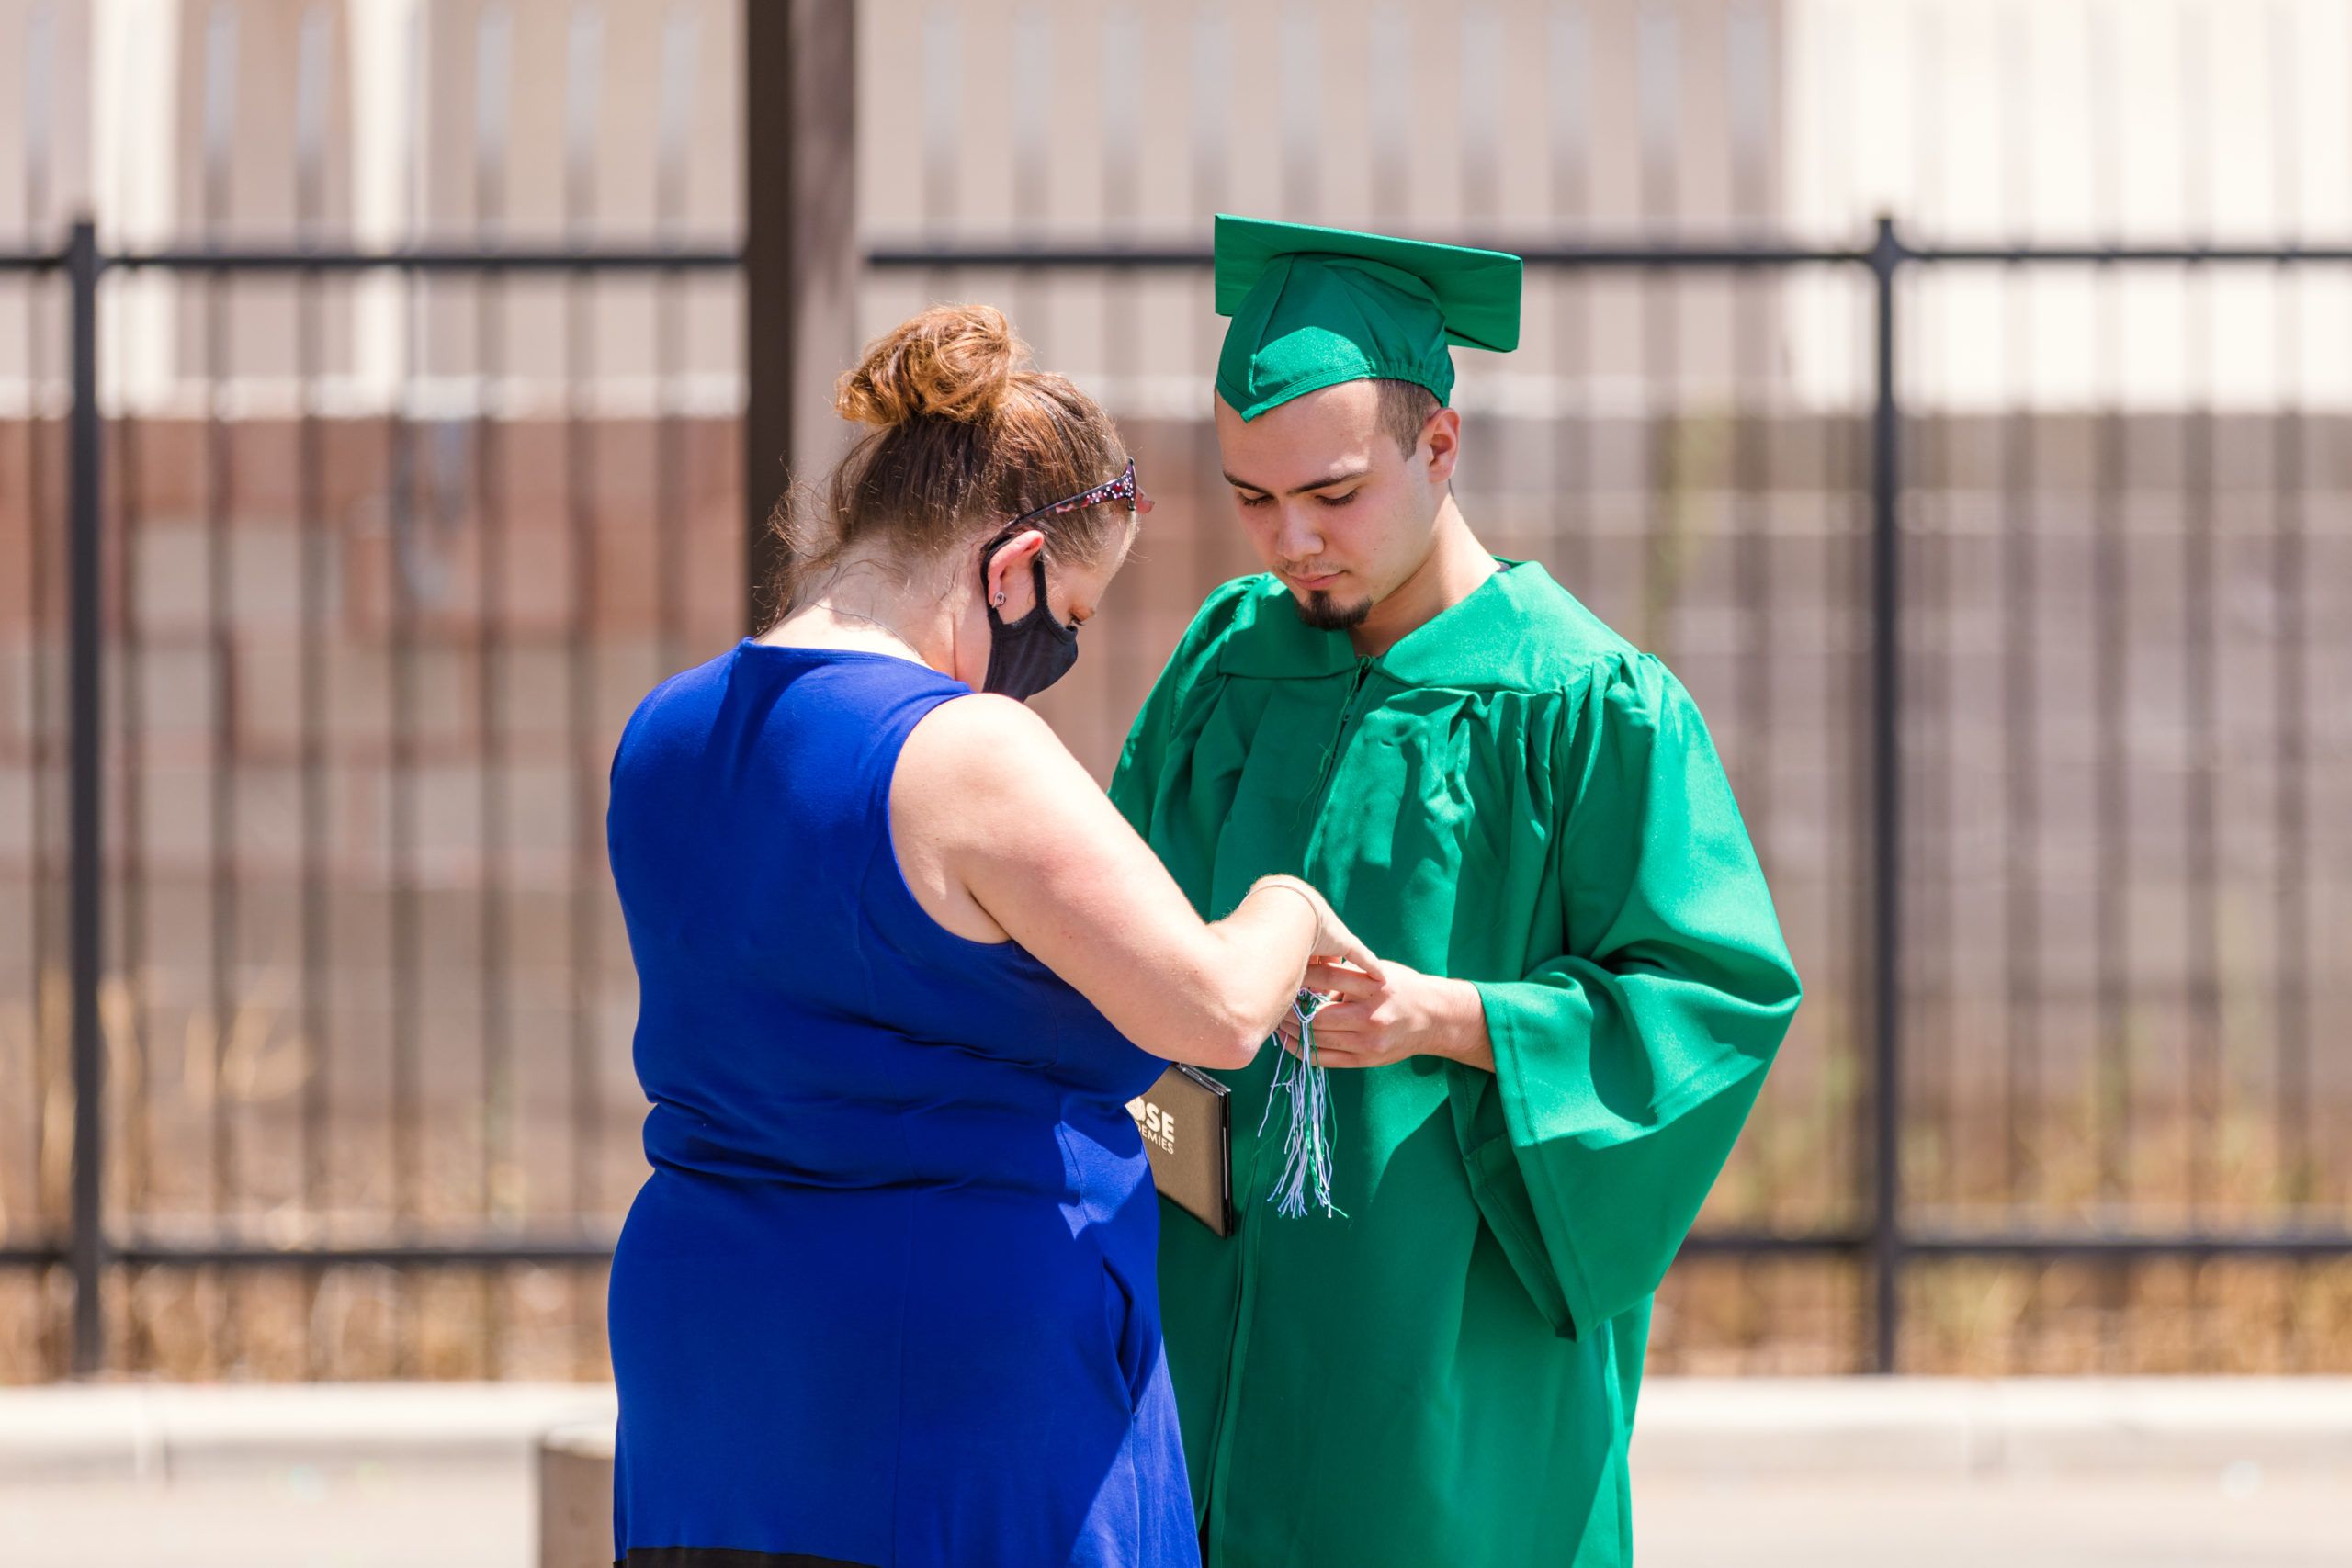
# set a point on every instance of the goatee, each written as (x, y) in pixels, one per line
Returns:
(1319, 610)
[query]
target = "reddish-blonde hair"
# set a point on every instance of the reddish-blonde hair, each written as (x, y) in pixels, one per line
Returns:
(963, 438)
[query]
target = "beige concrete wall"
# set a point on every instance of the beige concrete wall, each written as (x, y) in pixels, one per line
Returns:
(182, 120)
(1063, 119)
(45, 158)
(978, 120)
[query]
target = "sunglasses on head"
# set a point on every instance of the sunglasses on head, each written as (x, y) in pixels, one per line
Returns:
(1123, 488)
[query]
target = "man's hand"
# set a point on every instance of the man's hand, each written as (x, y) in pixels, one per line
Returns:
(1405, 1013)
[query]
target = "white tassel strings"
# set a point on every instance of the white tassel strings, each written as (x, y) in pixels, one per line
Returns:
(1313, 1129)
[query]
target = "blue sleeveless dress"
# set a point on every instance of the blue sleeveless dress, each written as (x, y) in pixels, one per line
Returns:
(887, 1298)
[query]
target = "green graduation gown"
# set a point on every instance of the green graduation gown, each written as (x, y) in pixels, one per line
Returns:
(1514, 795)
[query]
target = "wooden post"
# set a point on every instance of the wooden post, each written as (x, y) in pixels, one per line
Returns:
(800, 257)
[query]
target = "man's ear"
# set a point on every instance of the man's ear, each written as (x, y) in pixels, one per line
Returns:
(1442, 440)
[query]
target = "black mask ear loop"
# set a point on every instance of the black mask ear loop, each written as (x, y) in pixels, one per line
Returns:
(1028, 655)
(1031, 655)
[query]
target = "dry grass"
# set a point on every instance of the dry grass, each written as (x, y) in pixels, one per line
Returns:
(1795, 1171)
(1715, 1315)
(1970, 1319)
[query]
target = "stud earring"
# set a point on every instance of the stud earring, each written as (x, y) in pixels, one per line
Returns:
(997, 600)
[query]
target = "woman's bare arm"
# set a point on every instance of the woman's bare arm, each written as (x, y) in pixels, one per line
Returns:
(1000, 831)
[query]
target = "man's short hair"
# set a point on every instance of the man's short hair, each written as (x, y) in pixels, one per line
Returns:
(1404, 407)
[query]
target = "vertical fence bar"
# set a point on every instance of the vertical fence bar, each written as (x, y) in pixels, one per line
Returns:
(1836, 449)
(40, 914)
(315, 585)
(405, 927)
(2207, 626)
(494, 93)
(2112, 1078)
(225, 905)
(2201, 708)
(404, 564)
(1886, 823)
(2018, 629)
(2296, 1181)
(581, 504)
(2290, 772)
(88, 1249)
(136, 1127)
(2109, 1121)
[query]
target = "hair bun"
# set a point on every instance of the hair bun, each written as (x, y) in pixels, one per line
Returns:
(952, 362)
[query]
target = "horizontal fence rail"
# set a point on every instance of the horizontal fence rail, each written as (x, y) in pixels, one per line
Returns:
(1662, 254)
(472, 262)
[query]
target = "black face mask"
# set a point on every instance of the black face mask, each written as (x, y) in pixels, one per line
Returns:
(1032, 653)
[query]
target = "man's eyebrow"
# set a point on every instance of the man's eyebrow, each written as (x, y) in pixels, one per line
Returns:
(1339, 479)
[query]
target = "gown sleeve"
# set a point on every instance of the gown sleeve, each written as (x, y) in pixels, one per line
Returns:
(1142, 771)
(1136, 781)
(1626, 1066)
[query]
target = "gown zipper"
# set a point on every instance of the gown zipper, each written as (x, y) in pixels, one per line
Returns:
(1221, 1437)
(1330, 764)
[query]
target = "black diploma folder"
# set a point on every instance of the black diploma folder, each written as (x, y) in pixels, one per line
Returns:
(1186, 1119)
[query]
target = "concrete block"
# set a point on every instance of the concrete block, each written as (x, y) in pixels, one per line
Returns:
(576, 1496)
(156, 1429)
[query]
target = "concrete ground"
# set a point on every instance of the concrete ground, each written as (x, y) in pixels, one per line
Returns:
(1921, 1473)
(374, 1514)
(1798, 1521)
(480, 1516)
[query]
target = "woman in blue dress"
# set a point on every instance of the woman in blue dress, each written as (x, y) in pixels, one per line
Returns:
(887, 1298)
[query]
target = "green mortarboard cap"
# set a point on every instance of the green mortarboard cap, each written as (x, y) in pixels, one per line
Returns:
(1313, 307)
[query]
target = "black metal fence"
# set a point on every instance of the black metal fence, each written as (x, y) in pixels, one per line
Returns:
(1904, 716)
(1904, 752)
(111, 777)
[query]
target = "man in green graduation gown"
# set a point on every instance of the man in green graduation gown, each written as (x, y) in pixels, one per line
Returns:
(1522, 814)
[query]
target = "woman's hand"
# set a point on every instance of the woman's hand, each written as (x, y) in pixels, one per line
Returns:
(1376, 1019)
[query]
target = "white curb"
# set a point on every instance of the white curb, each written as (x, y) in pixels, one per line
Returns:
(1915, 1426)
(1941, 1426)
(158, 1429)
